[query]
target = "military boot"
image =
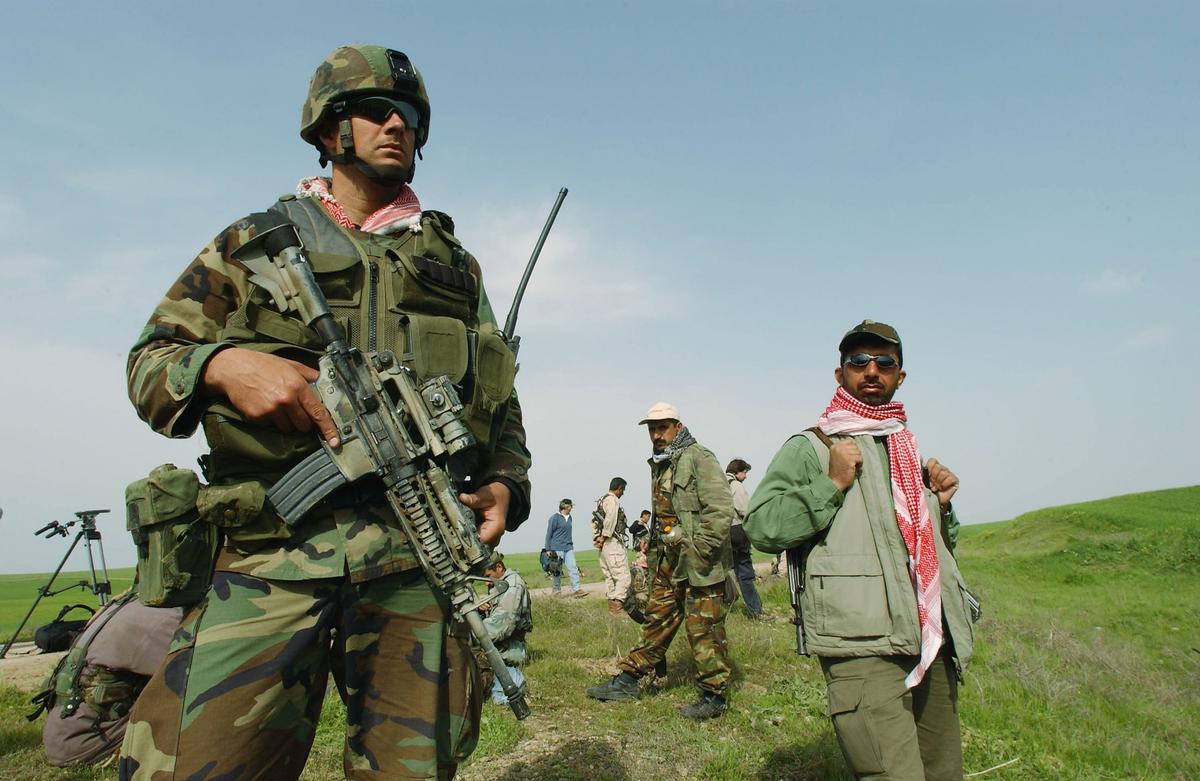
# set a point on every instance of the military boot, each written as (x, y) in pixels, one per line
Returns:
(622, 687)
(709, 706)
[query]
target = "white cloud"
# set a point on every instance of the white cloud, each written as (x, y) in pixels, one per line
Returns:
(1112, 283)
(1151, 335)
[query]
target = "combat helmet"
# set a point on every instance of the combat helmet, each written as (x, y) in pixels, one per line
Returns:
(354, 71)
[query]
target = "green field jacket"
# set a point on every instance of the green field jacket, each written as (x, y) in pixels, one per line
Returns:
(858, 598)
(701, 500)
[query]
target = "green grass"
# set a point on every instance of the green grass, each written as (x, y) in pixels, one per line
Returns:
(1086, 668)
(18, 592)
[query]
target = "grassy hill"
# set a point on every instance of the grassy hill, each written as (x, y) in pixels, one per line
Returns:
(1086, 668)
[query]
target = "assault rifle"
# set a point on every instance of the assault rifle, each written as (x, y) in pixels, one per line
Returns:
(796, 558)
(404, 431)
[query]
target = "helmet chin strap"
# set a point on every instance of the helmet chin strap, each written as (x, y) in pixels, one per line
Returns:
(347, 157)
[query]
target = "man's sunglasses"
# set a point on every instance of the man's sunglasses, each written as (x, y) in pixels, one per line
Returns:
(378, 108)
(861, 360)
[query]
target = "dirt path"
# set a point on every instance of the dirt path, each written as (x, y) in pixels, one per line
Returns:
(25, 667)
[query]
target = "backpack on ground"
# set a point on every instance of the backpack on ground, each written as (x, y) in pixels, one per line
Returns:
(89, 694)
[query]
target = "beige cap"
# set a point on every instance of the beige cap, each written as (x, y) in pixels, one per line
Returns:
(660, 411)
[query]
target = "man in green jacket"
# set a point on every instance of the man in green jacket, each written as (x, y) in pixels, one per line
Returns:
(689, 554)
(885, 608)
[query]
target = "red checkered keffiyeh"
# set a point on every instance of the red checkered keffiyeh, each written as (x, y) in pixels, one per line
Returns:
(847, 415)
(403, 212)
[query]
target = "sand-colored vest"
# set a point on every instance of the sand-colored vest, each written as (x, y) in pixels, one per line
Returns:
(858, 598)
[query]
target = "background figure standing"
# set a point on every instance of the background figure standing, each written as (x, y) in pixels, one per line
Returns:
(885, 607)
(735, 475)
(689, 557)
(559, 539)
(509, 618)
(608, 535)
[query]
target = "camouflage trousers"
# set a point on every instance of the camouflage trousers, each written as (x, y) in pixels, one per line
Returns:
(240, 692)
(701, 609)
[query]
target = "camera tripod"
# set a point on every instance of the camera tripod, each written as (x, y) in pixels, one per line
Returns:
(88, 532)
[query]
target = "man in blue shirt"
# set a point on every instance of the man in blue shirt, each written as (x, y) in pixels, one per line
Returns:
(559, 540)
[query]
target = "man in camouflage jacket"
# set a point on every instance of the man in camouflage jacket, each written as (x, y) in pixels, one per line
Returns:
(241, 690)
(689, 556)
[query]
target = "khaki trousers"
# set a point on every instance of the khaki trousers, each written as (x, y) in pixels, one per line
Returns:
(891, 733)
(614, 563)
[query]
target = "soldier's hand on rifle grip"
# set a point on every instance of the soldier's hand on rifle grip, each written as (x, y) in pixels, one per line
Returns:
(942, 481)
(270, 390)
(490, 504)
(844, 462)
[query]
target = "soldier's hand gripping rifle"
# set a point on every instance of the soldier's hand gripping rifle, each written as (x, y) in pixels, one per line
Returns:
(389, 425)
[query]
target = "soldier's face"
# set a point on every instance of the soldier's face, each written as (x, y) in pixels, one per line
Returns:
(663, 433)
(385, 147)
(870, 384)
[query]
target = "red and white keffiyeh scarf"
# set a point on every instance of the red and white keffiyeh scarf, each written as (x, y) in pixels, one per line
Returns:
(847, 415)
(402, 213)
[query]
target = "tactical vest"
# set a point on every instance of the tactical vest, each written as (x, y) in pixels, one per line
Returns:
(598, 520)
(416, 293)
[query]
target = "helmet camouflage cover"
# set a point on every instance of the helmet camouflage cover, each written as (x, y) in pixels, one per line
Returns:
(359, 70)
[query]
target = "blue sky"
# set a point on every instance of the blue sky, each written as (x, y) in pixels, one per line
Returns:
(1014, 186)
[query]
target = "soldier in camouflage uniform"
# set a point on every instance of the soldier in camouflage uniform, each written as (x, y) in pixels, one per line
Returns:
(689, 556)
(241, 689)
(509, 619)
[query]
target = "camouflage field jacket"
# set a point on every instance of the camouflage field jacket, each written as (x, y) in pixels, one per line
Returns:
(691, 486)
(388, 293)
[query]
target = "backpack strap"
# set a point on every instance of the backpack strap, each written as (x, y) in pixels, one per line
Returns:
(77, 655)
(821, 435)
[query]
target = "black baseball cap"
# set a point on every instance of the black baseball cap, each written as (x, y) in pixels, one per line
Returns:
(872, 329)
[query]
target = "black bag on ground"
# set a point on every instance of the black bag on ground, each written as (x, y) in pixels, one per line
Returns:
(59, 634)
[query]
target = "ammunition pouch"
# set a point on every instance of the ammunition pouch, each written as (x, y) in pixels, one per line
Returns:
(176, 524)
(176, 549)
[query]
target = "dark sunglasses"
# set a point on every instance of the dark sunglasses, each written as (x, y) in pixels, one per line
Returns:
(861, 360)
(378, 108)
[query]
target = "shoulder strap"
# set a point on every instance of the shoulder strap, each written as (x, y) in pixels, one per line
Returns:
(821, 435)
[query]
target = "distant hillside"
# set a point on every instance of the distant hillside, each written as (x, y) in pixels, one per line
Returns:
(1147, 531)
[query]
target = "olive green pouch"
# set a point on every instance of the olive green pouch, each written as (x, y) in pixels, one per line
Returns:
(176, 549)
(434, 346)
(496, 370)
(242, 511)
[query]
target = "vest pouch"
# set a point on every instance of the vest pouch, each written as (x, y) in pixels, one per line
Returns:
(176, 550)
(422, 283)
(434, 346)
(495, 371)
(242, 511)
(340, 277)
